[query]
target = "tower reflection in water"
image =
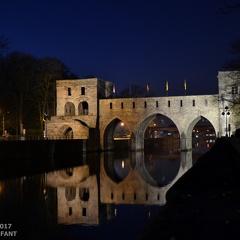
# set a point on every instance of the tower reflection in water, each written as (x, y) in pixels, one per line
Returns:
(118, 192)
(88, 194)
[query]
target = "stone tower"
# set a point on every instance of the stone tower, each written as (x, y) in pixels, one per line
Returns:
(229, 90)
(77, 107)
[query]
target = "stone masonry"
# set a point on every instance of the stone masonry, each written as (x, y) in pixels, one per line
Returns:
(84, 104)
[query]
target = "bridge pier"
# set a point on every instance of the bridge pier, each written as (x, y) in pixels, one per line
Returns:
(185, 144)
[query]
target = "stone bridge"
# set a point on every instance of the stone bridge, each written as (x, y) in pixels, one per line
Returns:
(87, 109)
(138, 113)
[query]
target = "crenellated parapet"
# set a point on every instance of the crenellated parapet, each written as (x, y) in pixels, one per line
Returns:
(88, 104)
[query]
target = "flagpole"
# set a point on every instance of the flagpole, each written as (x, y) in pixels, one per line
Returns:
(185, 87)
(148, 89)
(167, 87)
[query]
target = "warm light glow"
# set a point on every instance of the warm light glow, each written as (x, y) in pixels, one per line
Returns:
(1, 187)
(122, 124)
(123, 164)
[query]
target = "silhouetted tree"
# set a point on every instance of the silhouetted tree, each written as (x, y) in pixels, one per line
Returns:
(234, 63)
(229, 6)
(48, 70)
(19, 70)
(133, 91)
(4, 47)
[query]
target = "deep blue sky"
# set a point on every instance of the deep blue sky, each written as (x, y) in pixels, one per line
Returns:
(127, 42)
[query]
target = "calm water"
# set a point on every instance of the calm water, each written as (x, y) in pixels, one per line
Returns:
(95, 196)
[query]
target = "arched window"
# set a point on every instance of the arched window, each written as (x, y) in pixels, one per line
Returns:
(70, 193)
(69, 109)
(84, 194)
(83, 108)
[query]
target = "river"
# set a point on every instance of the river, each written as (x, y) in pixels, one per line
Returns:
(112, 195)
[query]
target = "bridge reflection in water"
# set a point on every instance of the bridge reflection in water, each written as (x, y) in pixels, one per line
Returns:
(113, 195)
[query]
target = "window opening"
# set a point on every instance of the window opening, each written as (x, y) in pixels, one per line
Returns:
(69, 91)
(82, 90)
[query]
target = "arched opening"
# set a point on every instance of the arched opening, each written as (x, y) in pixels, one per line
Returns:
(162, 135)
(162, 149)
(84, 194)
(117, 166)
(83, 108)
(69, 133)
(69, 109)
(70, 193)
(163, 168)
(67, 173)
(203, 137)
(117, 135)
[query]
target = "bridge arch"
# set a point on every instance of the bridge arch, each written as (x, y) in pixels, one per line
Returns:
(117, 168)
(189, 130)
(138, 139)
(65, 131)
(109, 132)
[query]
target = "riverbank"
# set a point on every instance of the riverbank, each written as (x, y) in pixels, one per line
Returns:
(205, 202)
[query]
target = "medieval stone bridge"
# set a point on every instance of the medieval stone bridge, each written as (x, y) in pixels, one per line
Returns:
(87, 109)
(138, 113)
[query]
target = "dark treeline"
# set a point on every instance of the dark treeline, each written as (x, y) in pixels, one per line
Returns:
(27, 89)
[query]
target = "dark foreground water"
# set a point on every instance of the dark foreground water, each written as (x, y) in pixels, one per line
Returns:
(111, 195)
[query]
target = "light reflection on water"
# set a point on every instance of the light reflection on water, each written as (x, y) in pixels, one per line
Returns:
(108, 196)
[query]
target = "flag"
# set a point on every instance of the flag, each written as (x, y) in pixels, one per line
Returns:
(167, 86)
(148, 88)
(114, 88)
(185, 85)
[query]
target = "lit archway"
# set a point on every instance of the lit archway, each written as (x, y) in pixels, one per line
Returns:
(83, 108)
(69, 109)
(116, 135)
(203, 137)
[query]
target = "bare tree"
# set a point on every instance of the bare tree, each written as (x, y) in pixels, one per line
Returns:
(134, 91)
(234, 63)
(19, 69)
(48, 70)
(229, 7)
(4, 46)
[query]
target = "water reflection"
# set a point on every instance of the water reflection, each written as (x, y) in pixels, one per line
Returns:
(104, 191)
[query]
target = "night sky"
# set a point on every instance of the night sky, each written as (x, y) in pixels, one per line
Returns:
(128, 42)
